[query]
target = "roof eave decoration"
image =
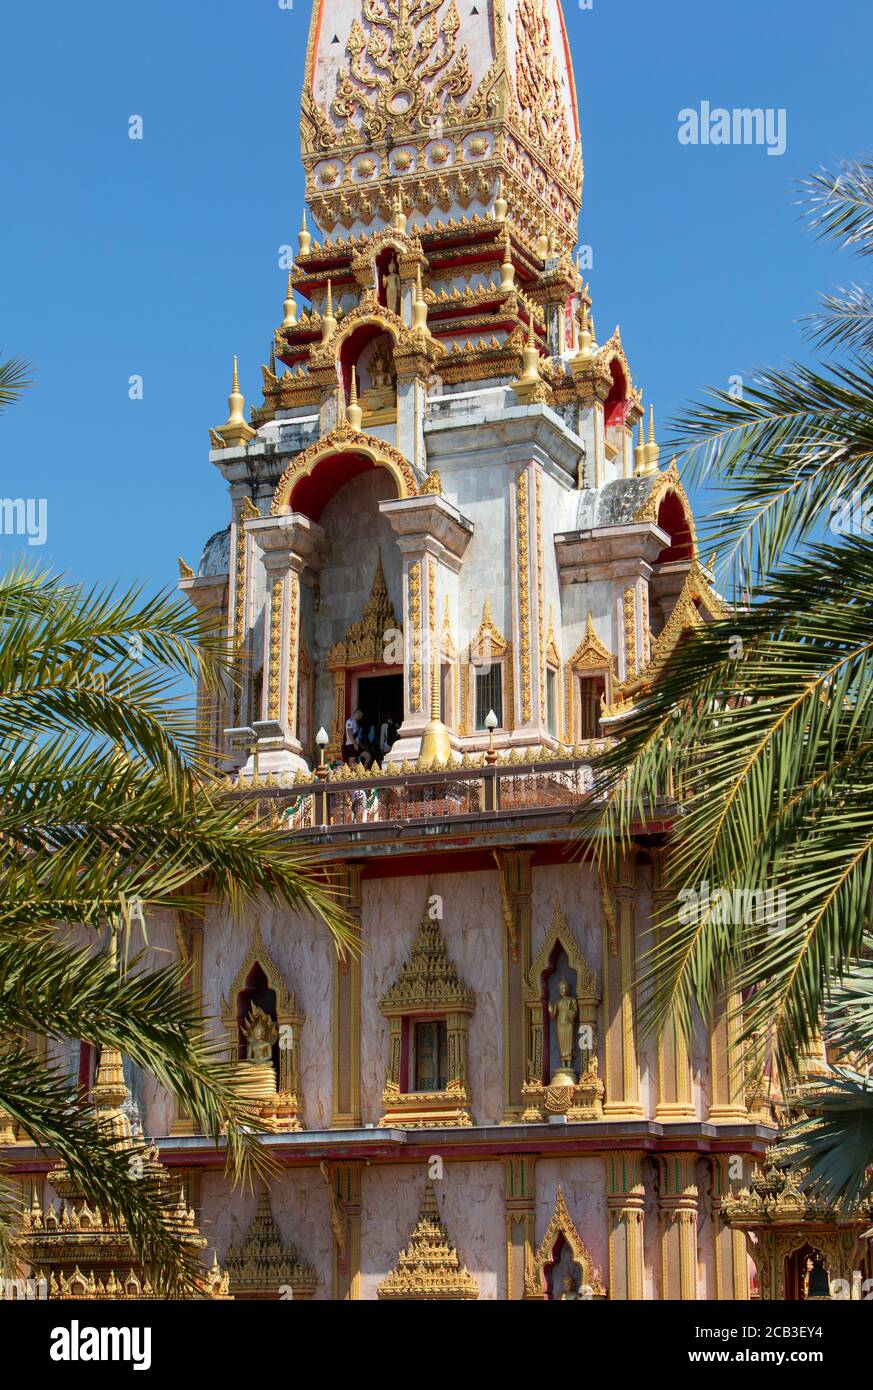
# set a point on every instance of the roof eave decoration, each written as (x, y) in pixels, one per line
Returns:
(696, 598)
(667, 482)
(342, 439)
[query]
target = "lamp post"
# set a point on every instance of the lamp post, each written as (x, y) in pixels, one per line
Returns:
(322, 738)
(491, 725)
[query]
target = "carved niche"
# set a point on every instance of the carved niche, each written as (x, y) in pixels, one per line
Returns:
(428, 1008)
(554, 1085)
(263, 1027)
(563, 1248)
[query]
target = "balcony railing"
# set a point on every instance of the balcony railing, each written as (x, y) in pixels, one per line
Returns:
(470, 788)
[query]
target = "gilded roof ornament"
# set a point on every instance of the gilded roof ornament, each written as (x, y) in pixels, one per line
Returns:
(429, 1267)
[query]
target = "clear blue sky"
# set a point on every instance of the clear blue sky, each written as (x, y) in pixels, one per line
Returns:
(160, 257)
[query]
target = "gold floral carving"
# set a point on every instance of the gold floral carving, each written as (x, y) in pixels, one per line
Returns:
(630, 632)
(364, 642)
(262, 1265)
(584, 1101)
(247, 512)
(429, 1267)
(284, 1109)
(293, 650)
(414, 582)
(275, 662)
(342, 439)
(522, 527)
(428, 986)
(561, 1225)
(696, 602)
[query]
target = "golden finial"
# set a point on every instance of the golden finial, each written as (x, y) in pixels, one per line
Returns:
(354, 414)
(586, 339)
(185, 570)
(290, 306)
(399, 214)
(235, 430)
(652, 451)
(530, 378)
(501, 207)
(304, 240)
(328, 322)
(640, 452)
(507, 269)
(542, 242)
(419, 306)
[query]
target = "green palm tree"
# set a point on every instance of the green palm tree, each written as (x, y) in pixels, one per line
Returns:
(764, 718)
(108, 799)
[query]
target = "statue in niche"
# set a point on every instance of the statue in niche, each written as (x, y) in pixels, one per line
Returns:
(565, 1010)
(381, 394)
(569, 1290)
(392, 287)
(261, 1035)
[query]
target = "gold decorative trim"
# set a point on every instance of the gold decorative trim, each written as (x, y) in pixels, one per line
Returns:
(428, 985)
(364, 642)
(295, 648)
(667, 482)
(630, 632)
(342, 439)
(247, 512)
(283, 1110)
(561, 1225)
(429, 1267)
(414, 582)
(262, 1265)
(522, 529)
(275, 659)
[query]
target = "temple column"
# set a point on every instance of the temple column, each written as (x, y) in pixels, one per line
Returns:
(519, 1200)
(513, 867)
(727, 1103)
(527, 625)
(189, 946)
(625, 1207)
(432, 537)
(622, 1078)
(731, 1258)
(343, 1182)
(675, 1080)
(292, 548)
(677, 1219)
(346, 1010)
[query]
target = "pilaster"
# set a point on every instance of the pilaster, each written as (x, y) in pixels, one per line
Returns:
(622, 1077)
(519, 1200)
(346, 1010)
(625, 1207)
(677, 1220)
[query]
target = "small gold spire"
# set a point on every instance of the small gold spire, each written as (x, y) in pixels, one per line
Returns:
(304, 240)
(328, 322)
(530, 380)
(640, 452)
(507, 269)
(419, 306)
(501, 207)
(290, 306)
(235, 430)
(653, 453)
(586, 338)
(354, 414)
(542, 242)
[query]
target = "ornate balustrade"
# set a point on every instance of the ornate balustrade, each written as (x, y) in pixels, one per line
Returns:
(513, 785)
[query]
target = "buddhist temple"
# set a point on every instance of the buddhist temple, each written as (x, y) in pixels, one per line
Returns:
(453, 558)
